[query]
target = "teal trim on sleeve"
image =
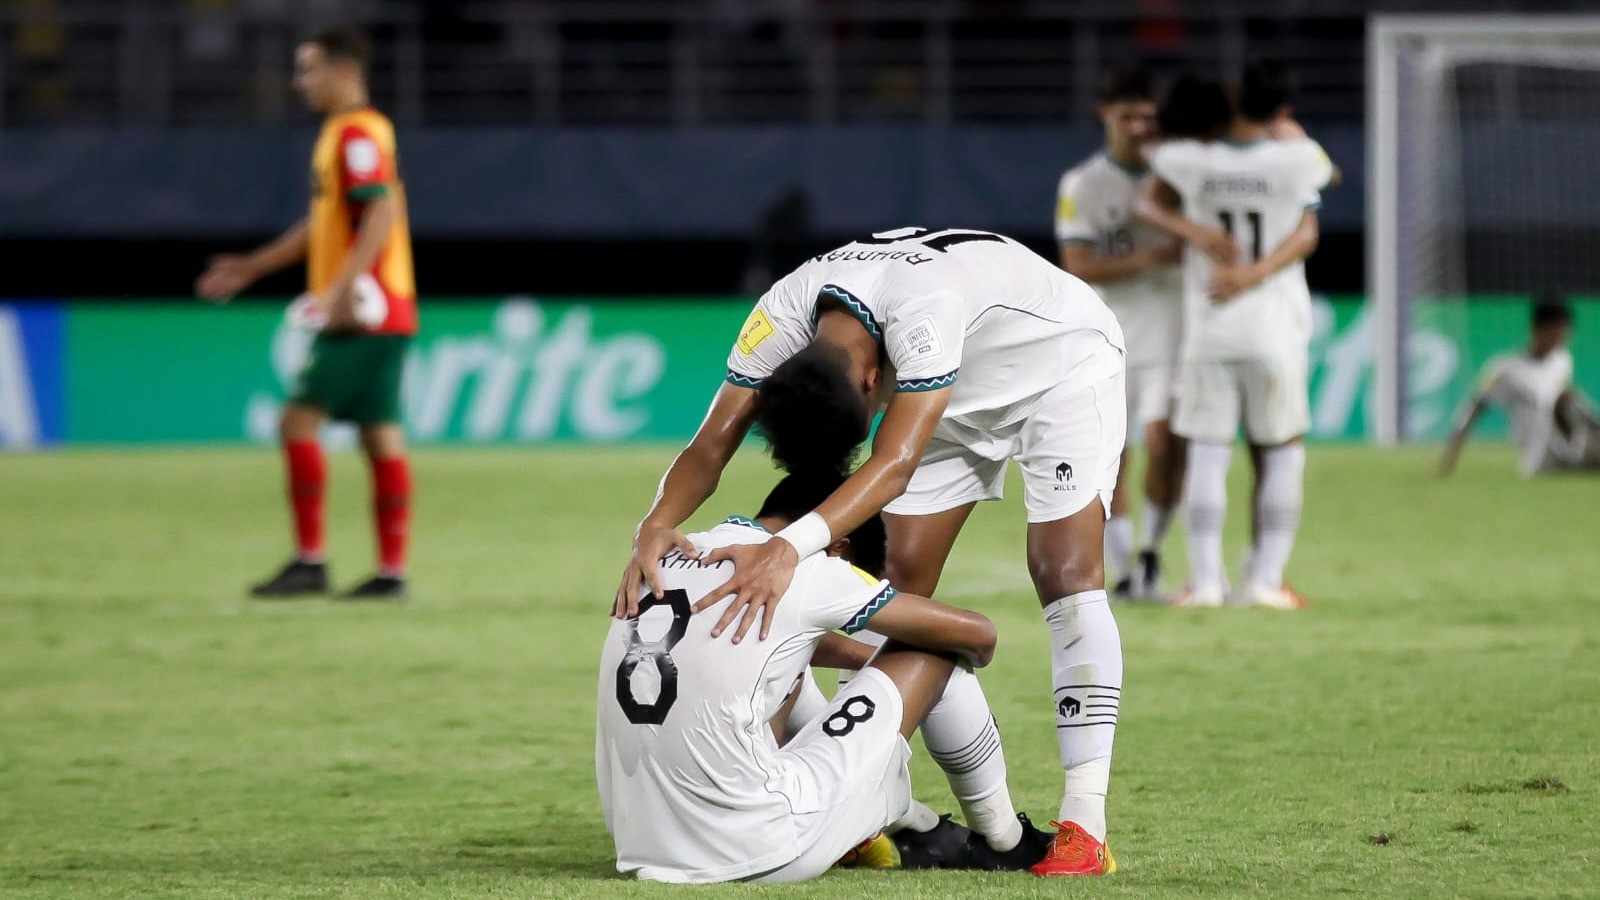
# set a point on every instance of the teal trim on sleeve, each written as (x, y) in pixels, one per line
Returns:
(744, 381)
(878, 601)
(916, 385)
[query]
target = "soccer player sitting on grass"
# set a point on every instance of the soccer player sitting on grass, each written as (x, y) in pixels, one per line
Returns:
(1554, 428)
(695, 781)
(361, 300)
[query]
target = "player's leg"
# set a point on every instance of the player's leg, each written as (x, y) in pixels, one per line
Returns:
(385, 449)
(1277, 415)
(318, 392)
(1119, 545)
(1071, 451)
(1163, 476)
(960, 732)
(1207, 416)
(384, 443)
(853, 758)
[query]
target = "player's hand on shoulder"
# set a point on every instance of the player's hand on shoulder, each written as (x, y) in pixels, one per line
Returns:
(761, 575)
(225, 276)
(650, 543)
(1285, 128)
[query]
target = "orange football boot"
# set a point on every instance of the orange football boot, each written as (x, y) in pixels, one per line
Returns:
(1075, 852)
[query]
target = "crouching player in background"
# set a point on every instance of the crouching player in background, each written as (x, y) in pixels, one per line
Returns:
(362, 301)
(695, 784)
(1552, 425)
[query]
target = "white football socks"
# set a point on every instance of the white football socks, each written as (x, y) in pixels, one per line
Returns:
(1086, 656)
(1119, 546)
(1153, 526)
(961, 736)
(1282, 491)
(1205, 505)
(919, 818)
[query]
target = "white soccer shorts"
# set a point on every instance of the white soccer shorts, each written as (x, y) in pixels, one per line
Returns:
(1151, 392)
(1269, 397)
(850, 764)
(1068, 442)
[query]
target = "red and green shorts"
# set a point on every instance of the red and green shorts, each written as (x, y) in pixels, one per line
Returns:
(354, 377)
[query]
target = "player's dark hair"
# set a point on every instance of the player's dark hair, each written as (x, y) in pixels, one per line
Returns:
(1195, 108)
(1267, 86)
(799, 494)
(344, 45)
(813, 418)
(1551, 309)
(1122, 83)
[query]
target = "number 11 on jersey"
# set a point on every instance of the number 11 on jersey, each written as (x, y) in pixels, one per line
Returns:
(1254, 218)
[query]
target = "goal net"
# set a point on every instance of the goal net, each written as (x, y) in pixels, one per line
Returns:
(1483, 170)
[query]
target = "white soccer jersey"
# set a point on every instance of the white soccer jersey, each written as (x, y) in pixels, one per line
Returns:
(1527, 389)
(1258, 193)
(1094, 205)
(970, 309)
(684, 754)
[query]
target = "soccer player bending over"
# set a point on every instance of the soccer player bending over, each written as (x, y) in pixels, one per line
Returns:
(361, 297)
(1554, 428)
(695, 782)
(1248, 216)
(980, 352)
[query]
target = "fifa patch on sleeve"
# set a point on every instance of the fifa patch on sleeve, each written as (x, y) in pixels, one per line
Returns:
(361, 156)
(920, 341)
(1066, 208)
(756, 329)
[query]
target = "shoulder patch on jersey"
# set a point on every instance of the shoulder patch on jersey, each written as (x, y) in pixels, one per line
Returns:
(1066, 208)
(920, 340)
(361, 156)
(756, 330)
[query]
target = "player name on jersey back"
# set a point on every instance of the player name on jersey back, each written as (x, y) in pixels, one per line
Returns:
(1258, 194)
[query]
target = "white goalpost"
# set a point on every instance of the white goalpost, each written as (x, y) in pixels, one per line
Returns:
(1483, 185)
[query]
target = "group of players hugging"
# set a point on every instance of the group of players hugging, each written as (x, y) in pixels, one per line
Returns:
(717, 757)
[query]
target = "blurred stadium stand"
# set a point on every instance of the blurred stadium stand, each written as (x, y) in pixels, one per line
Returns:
(149, 133)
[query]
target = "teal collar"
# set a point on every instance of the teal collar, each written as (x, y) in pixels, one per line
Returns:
(748, 523)
(1131, 173)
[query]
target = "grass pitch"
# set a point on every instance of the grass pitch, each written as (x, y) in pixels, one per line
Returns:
(1431, 727)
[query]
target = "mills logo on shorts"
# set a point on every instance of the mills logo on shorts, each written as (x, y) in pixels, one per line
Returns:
(1063, 476)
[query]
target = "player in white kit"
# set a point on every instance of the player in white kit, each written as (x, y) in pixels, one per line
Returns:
(1551, 424)
(695, 784)
(980, 352)
(1249, 218)
(1135, 268)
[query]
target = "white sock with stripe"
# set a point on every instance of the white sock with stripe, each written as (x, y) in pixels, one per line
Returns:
(1086, 656)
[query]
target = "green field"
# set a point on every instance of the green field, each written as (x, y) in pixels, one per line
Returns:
(1431, 727)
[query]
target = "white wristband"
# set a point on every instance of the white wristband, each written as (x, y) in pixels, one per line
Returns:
(807, 535)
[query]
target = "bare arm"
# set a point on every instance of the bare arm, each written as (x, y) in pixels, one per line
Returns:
(1231, 281)
(835, 651)
(230, 273)
(1458, 437)
(932, 625)
(689, 481)
(1085, 261)
(1159, 206)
